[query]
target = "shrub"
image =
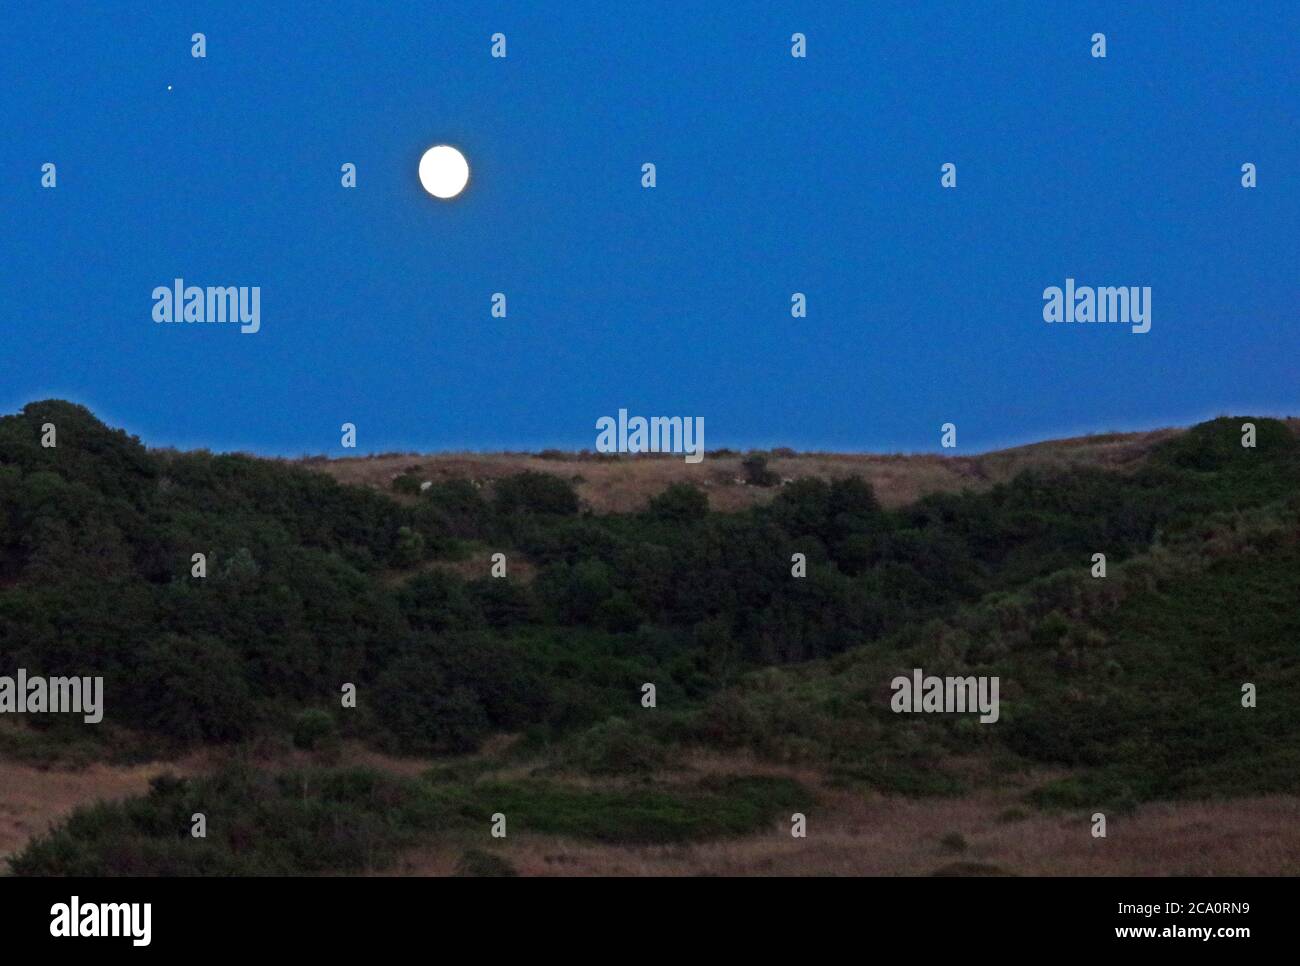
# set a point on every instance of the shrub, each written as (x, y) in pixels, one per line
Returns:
(424, 712)
(532, 492)
(407, 483)
(313, 729)
(476, 862)
(756, 471)
(680, 503)
(953, 842)
(409, 549)
(190, 689)
(617, 747)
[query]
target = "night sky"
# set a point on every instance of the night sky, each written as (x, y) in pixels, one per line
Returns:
(775, 175)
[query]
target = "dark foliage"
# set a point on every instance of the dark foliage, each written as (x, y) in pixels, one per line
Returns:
(97, 537)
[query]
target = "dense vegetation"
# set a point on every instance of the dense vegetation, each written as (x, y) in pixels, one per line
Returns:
(356, 820)
(1131, 681)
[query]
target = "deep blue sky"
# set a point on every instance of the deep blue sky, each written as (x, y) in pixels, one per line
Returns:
(775, 175)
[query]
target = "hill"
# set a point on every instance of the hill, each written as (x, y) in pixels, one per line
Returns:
(613, 483)
(525, 696)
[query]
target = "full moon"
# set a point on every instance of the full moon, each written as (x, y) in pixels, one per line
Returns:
(444, 172)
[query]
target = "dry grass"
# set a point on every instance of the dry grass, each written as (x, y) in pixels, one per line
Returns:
(849, 833)
(35, 798)
(853, 835)
(626, 483)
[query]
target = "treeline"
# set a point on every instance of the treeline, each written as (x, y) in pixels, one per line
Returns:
(311, 584)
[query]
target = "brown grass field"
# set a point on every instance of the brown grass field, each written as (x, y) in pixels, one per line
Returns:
(849, 833)
(36, 798)
(621, 484)
(886, 836)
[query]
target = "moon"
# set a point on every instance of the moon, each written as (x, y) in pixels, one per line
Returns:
(444, 172)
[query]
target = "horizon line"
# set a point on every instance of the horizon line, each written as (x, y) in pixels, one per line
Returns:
(591, 453)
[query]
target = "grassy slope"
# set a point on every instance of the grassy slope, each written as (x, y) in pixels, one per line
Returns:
(1120, 691)
(624, 484)
(1128, 696)
(1132, 683)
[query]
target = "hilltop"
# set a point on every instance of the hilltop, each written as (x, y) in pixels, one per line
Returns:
(623, 484)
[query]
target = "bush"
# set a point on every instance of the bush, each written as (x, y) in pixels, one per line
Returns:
(190, 689)
(408, 484)
(454, 507)
(756, 471)
(711, 809)
(424, 712)
(409, 549)
(680, 503)
(476, 862)
(953, 842)
(618, 747)
(314, 729)
(1216, 445)
(532, 492)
